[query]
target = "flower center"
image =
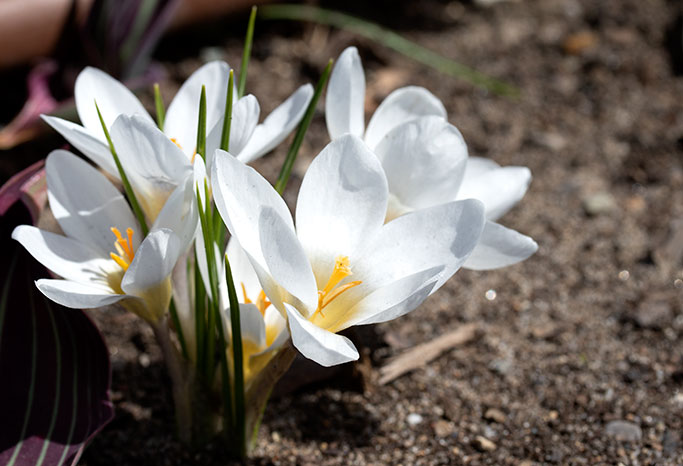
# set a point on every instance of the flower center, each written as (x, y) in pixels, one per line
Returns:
(124, 247)
(262, 302)
(341, 270)
(175, 141)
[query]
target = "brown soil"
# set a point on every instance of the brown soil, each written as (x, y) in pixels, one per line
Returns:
(586, 332)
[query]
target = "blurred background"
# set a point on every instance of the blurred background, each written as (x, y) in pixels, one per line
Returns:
(577, 356)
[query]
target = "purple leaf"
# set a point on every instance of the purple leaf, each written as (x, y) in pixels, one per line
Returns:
(53, 362)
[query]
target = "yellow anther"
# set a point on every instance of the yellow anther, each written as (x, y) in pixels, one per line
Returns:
(262, 302)
(124, 247)
(244, 293)
(175, 141)
(342, 269)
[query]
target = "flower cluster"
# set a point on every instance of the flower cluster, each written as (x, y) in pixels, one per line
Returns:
(385, 215)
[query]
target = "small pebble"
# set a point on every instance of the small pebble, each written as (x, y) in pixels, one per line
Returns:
(495, 415)
(599, 203)
(654, 315)
(414, 419)
(484, 444)
(443, 428)
(624, 431)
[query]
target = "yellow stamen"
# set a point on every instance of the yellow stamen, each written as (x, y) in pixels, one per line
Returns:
(175, 141)
(124, 247)
(244, 293)
(341, 270)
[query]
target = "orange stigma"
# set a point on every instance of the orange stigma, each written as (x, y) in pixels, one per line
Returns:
(124, 247)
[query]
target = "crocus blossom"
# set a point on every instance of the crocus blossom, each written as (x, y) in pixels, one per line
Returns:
(341, 265)
(103, 259)
(425, 160)
(249, 140)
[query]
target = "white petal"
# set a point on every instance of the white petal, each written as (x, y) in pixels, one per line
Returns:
(66, 257)
(394, 300)
(84, 141)
(154, 165)
(183, 113)
(342, 202)
(499, 247)
(77, 295)
(402, 105)
(242, 272)
(245, 114)
(153, 263)
(85, 203)
(179, 214)
(424, 161)
(325, 348)
(113, 99)
(240, 192)
(251, 323)
(277, 125)
(443, 235)
(286, 260)
(498, 189)
(345, 98)
(479, 165)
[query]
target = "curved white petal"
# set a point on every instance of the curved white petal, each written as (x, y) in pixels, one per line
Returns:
(183, 112)
(404, 104)
(277, 125)
(243, 273)
(424, 160)
(478, 166)
(286, 260)
(499, 247)
(153, 263)
(443, 235)
(345, 98)
(325, 348)
(240, 193)
(79, 137)
(77, 295)
(342, 202)
(64, 256)
(245, 114)
(394, 300)
(179, 213)
(85, 203)
(113, 99)
(498, 189)
(251, 324)
(154, 165)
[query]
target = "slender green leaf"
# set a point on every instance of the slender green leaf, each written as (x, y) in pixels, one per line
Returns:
(227, 118)
(159, 104)
(286, 170)
(124, 179)
(238, 361)
(201, 125)
(391, 40)
(246, 53)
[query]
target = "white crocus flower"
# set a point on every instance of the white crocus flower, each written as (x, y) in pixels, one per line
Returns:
(103, 259)
(113, 99)
(426, 162)
(342, 265)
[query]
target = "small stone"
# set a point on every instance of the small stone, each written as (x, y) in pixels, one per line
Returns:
(144, 360)
(483, 444)
(575, 44)
(443, 428)
(553, 415)
(677, 399)
(624, 431)
(599, 203)
(413, 419)
(655, 315)
(495, 415)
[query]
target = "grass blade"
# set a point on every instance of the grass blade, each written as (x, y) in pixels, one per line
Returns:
(201, 126)
(286, 170)
(159, 104)
(391, 40)
(246, 53)
(240, 418)
(227, 118)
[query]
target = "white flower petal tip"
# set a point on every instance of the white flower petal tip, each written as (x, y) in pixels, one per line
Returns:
(499, 189)
(76, 295)
(277, 125)
(113, 99)
(404, 104)
(500, 247)
(325, 348)
(344, 102)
